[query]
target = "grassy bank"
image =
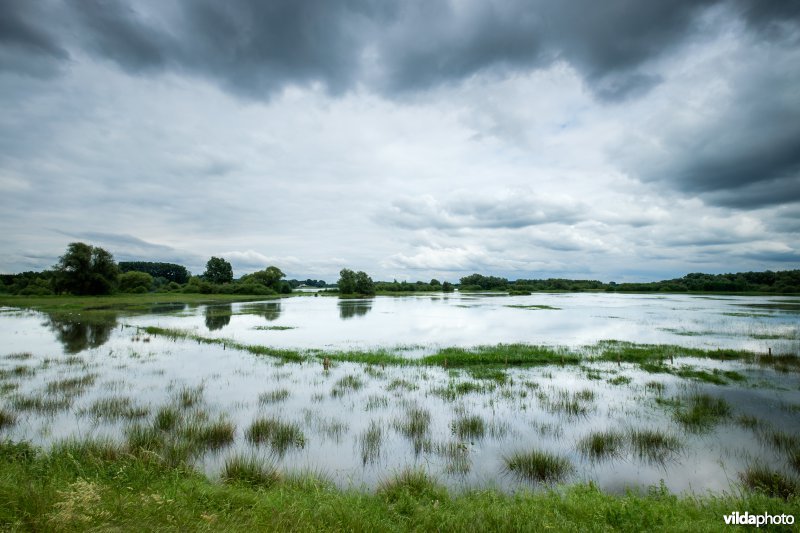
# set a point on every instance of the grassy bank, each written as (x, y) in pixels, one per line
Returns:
(81, 486)
(120, 302)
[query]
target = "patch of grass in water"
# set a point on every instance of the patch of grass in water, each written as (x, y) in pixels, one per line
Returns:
(274, 328)
(569, 404)
(7, 387)
(469, 427)
(454, 390)
(456, 456)
(7, 418)
(501, 354)
(346, 384)
(534, 307)
(762, 479)
(620, 380)
(166, 418)
(653, 445)
(276, 433)
(403, 384)
(538, 466)
(116, 408)
(370, 443)
(40, 404)
(204, 435)
(275, 396)
(376, 401)
(700, 412)
(249, 470)
(190, 396)
(72, 386)
(655, 386)
(494, 374)
(600, 445)
(19, 356)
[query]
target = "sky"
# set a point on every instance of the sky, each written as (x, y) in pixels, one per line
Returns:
(618, 140)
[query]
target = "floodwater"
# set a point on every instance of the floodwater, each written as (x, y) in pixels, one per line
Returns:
(336, 408)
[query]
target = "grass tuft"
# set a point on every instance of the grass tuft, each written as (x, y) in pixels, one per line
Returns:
(370, 443)
(653, 445)
(700, 412)
(276, 433)
(412, 484)
(774, 484)
(469, 427)
(602, 445)
(538, 466)
(249, 470)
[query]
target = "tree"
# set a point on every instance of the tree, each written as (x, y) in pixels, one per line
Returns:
(169, 271)
(347, 281)
(447, 287)
(133, 281)
(269, 277)
(218, 271)
(86, 269)
(364, 284)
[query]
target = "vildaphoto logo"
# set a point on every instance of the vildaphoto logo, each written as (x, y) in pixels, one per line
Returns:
(746, 519)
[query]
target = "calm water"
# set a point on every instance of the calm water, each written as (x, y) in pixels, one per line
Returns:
(518, 414)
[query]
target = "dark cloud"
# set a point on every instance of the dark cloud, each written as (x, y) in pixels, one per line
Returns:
(27, 45)
(255, 48)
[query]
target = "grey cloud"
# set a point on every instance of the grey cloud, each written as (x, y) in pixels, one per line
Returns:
(512, 211)
(255, 48)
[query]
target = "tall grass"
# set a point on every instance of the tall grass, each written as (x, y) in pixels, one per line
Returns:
(370, 443)
(469, 427)
(249, 470)
(601, 445)
(700, 412)
(538, 466)
(653, 445)
(276, 433)
(772, 483)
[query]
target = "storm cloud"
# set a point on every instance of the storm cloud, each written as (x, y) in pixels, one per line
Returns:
(431, 135)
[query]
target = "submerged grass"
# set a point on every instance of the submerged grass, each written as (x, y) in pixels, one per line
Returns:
(600, 445)
(370, 443)
(469, 427)
(770, 482)
(116, 408)
(7, 418)
(538, 466)
(278, 434)
(653, 445)
(700, 412)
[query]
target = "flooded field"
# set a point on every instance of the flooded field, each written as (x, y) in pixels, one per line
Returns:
(696, 422)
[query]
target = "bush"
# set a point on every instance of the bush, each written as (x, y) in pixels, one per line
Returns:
(135, 282)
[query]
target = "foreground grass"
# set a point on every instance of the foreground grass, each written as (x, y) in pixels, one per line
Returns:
(96, 486)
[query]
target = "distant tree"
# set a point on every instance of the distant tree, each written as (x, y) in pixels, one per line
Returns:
(435, 283)
(136, 282)
(347, 281)
(218, 271)
(364, 284)
(85, 269)
(447, 287)
(168, 271)
(269, 277)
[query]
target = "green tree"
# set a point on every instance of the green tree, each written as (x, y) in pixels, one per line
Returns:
(133, 281)
(447, 287)
(269, 277)
(347, 281)
(364, 284)
(218, 271)
(85, 269)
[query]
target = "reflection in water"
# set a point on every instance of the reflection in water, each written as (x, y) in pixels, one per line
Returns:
(167, 308)
(82, 332)
(351, 308)
(218, 316)
(269, 310)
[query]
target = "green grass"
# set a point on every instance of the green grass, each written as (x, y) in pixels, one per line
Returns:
(568, 403)
(205, 435)
(700, 412)
(40, 403)
(399, 383)
(653, 445)
(95, 487)
(469, 427)
(770, 482)
(619, 380)
(346, 384)
(249, 470)
(501, 354)
(7, 418)
(274, 396)
(533, 307)
(72, 386)
(370, 442)
(600, 445)
(454, 389)
(116, 408)
(279, 435)
(538, 466)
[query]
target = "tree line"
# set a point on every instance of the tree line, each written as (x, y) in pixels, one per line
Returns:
(90, 270)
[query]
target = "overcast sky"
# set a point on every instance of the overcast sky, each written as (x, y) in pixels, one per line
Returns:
(617, 140)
